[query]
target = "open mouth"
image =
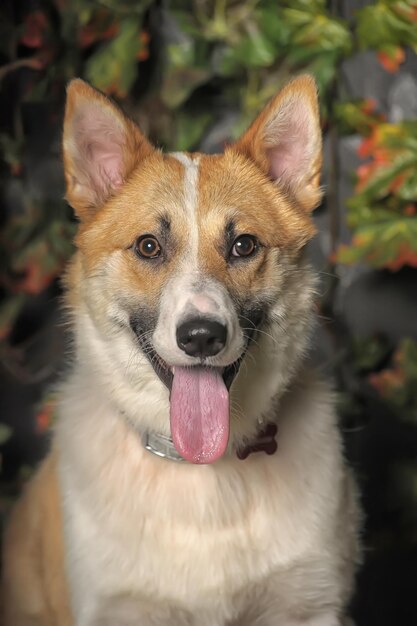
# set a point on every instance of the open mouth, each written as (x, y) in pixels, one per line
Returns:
(199, 404)
(166, 374)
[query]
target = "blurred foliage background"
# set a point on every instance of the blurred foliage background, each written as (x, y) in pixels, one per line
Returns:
(193, 73)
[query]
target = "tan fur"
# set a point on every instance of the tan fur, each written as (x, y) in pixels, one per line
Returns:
(113, 230)
(239, 188)
(131, 539)
(34, 587)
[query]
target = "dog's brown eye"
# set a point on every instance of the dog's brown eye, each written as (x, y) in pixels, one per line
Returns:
(245, 245)
(148, 247)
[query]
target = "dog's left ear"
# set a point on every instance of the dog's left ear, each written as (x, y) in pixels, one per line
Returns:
(285, 141)
(101, 148)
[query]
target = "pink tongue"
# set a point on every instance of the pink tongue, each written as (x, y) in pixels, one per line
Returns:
(199, 414)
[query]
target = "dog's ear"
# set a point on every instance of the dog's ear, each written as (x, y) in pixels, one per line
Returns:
(101, 147)
(285, 141)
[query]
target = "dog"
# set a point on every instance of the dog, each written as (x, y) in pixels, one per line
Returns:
(196, 475)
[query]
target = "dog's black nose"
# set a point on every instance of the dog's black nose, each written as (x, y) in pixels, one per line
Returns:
(200, 337)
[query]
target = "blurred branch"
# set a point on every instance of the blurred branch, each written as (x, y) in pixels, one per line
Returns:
(33, 63)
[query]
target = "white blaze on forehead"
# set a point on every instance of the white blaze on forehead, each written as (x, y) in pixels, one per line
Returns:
(189, 293)
(191, 172)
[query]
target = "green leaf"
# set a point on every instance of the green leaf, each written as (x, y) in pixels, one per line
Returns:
(369, 352)
(9, 310)
(271, 24)
(113, 68)
(351, 117)
(5, 433)
(190, 129)
(382, 24)
(307, 6)
(379, 185)
(255, 50)
(373, 26)
(318, 33)
(324, 69)
(388, 243)
(408, 190)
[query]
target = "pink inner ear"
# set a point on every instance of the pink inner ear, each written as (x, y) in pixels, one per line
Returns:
(289, 142)
(98, 139)
(107, 160)
(283, 161)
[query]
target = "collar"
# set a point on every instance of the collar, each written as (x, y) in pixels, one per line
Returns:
(163, 446)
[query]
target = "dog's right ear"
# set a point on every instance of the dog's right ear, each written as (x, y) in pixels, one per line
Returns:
(101, 147)
(285, 141)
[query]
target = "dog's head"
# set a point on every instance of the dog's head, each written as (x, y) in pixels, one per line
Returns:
(189, 283)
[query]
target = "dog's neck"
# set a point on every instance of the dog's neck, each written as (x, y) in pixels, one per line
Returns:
(161, 445)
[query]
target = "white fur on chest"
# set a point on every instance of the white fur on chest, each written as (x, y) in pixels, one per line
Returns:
(188, 534)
